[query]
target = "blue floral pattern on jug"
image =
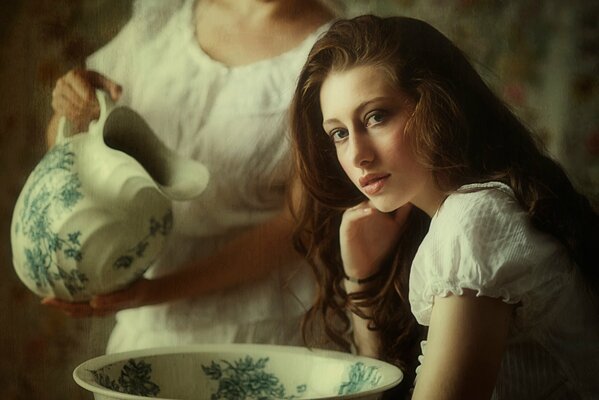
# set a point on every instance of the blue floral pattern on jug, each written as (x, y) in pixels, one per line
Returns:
(54, 190)
(162, 227)
(247, 379)
(135, 378)
(360, 377)
(35, 222)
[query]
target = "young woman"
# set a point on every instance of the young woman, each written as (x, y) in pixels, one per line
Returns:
(424, 193)
(214, 79)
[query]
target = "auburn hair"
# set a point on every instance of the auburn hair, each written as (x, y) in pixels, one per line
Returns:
(459, 130)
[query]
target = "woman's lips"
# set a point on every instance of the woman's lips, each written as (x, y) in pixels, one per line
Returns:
(373, 183)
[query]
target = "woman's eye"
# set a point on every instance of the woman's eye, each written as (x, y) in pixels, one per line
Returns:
(338, 135)
(374, 118)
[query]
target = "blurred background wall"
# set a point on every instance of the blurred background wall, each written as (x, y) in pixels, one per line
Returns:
(541, 56)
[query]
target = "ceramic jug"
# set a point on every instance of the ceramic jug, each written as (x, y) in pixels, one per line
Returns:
(96, 211)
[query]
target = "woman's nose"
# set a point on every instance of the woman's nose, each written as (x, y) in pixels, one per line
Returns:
(362, 151)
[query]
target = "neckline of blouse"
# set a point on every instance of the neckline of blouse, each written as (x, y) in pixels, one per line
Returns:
(197, 52)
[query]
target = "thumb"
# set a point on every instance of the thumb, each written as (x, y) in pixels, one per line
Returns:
(102, 82)
(109, 300)
(130, 296)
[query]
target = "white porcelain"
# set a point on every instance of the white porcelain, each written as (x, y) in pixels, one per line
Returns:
(235, 372)
(97, 209)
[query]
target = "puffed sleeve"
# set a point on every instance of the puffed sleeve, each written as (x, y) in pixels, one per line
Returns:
(484, 241)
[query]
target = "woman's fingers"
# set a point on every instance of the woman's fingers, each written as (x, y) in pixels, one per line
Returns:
(129, 297)
(63, 107)
(79, 81)
(100, 81)
(74, 96)
(113, 301)
(65, 100)
(106, 304)
(78, 309)
(75, 310)
(358, 211)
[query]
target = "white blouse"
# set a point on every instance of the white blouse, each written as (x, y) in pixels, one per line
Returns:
(233, 120)
(481, 239)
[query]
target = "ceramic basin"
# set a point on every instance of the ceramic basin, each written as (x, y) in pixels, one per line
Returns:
(235, 372)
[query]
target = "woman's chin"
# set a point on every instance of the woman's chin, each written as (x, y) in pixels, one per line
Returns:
(384, 206)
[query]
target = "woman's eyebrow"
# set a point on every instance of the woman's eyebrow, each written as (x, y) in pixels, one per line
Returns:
(359, 109)
(330, 121)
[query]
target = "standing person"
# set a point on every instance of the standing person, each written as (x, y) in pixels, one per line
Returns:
(213, 78)
(422, 187)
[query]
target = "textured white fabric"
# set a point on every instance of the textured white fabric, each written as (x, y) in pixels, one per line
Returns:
(232, 119)
(481, 239)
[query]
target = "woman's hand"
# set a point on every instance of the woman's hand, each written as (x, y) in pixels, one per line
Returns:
(74, 96)
(143, 292)
(366, 237)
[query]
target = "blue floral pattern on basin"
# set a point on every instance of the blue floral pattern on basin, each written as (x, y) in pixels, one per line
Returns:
(135, 378)
(360, 377)
(247, 379)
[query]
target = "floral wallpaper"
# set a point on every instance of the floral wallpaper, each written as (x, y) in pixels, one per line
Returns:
(542, 57)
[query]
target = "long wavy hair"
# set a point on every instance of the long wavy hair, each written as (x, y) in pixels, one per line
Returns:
(460, 131)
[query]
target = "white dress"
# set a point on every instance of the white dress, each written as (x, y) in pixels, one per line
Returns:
(484, 241)
(233, 120)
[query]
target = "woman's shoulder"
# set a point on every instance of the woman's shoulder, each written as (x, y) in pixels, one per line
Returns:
(477, 201)
(487, 219)
(489, 208)
(482, 239)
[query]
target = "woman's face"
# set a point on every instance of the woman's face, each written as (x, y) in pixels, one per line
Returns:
(365, 115)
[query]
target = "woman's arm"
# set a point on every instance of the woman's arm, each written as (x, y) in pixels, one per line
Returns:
(367, 341)
(248, 257)
(366, 238)
(251, 255)
(466, 341)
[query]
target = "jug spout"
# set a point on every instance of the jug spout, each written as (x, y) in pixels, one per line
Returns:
(176, 177)
(185, 178)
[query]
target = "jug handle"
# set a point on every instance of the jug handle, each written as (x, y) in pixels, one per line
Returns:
(65, 127)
